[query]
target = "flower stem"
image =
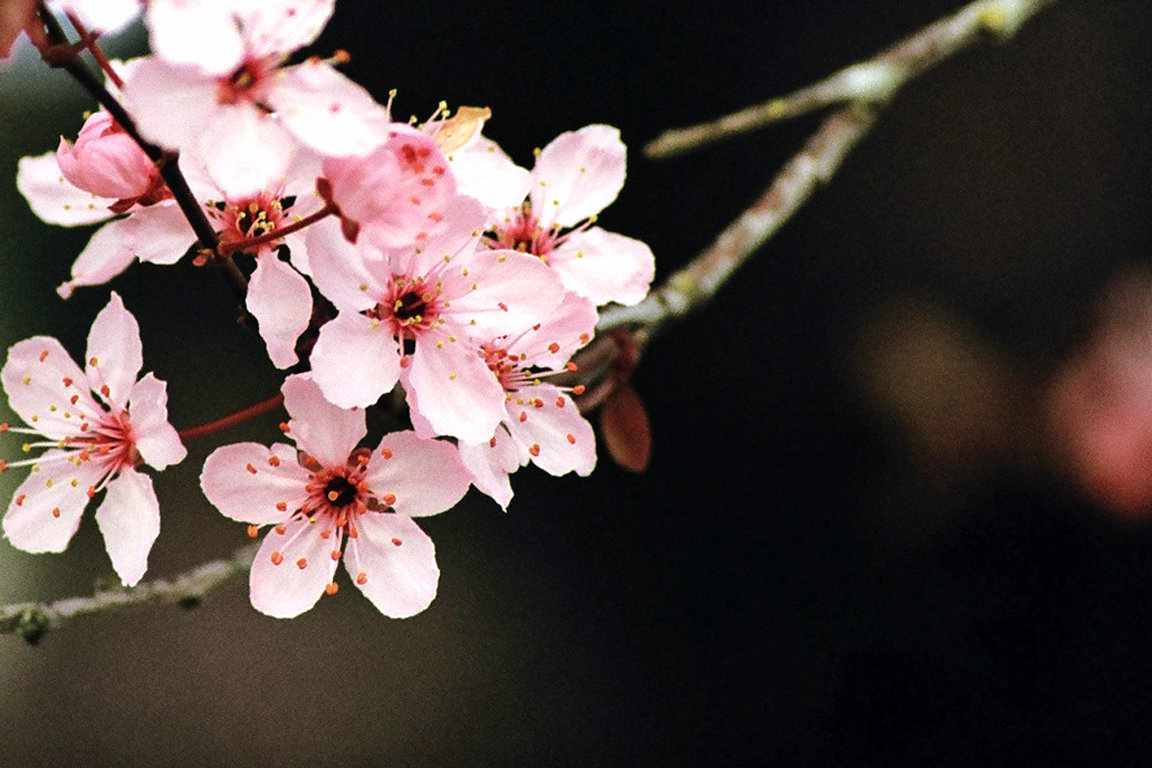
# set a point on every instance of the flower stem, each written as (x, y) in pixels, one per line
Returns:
(89, 41)
(239, 417)
(226, 249)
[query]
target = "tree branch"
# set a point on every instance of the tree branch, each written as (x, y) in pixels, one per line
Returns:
(874, 81)
(868, 88)
(32, 620)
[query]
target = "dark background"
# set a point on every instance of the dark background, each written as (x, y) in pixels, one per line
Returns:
(817, 569)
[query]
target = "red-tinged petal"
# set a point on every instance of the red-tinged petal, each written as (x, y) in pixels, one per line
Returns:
(115, 354)
(291, 569)
(393, 563)
(491, 466)
(625, 428)
(426, 476)
(578, 175)
(398, 194)
(45, 510)
(355, 360)
(15, 15)
(325, 431)
(559, 439)
(339, 269)
(513, 291)
(53, 199)
(244, 150)
(129, 520)
(281, 301)
(41, 379)
(251, 483)
(454, 389)
(327, 111)
(604, 266)
(156, 440)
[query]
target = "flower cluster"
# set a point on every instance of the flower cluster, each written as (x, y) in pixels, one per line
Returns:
(375, 256)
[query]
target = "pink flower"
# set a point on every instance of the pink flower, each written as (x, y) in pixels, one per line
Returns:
(482, 170)
(395, 196)
(328, 500)
(541, 423)
(107, 162)
(415, 316)
(100, 424)
(575, 177)
(217, 89)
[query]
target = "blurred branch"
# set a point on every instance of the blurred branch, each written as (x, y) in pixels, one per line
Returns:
(866, 88)
(32, 620)
(874, 81)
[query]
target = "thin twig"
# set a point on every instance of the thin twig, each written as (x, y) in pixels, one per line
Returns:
(32, 620)
(874, 81)
(823, 154)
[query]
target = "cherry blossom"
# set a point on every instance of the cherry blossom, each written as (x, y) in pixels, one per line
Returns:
(395, 196)
(481, 168)
(233, 104)
(415, 316)
(328, 500)
(575, 177)
(541, 423)
(100, 424)
(15, 17)
(107, 162)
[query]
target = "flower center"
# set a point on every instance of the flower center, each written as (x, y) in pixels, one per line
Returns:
(246, 83)
(523, 233)
(249, 218)
(340, 492)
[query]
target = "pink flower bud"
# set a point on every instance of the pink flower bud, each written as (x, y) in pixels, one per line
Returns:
(106, 161)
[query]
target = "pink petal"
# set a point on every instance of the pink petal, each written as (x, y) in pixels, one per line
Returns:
(172, 105)
(453, 389)
(485, 173)
(41, 380)
(558, 437)
(338, 268)
(45, 510)
(325, 431)
(398, 194)
(604, 266)
(276, 29)
(512, 292)
(156, 440)
(203, 34)
(566, 330)
(159, 234)
(426, 476)
(129, 519)
(327, 111)
(53, 199)
(291, 569)
(104, 15)
(244, 150)
(578, 175)
(269, 494)
(491, 466)
(355, 360)
(398, 563)
(281, 301)
(115, 354)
